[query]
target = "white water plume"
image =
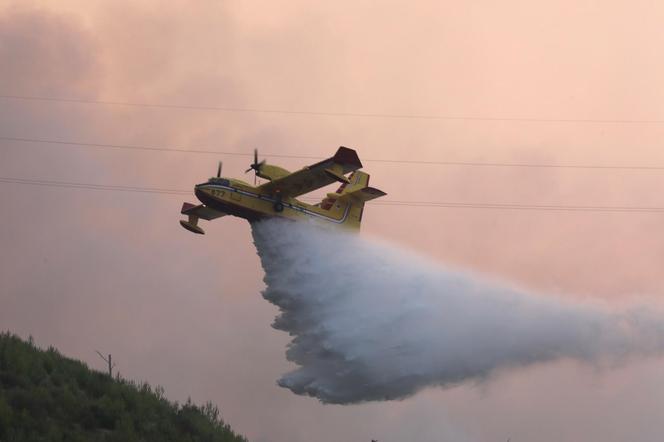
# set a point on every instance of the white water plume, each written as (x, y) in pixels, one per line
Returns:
(373, 322)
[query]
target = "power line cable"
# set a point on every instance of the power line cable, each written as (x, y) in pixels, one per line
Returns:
(441, 204)
(91, 186)
(308, 157)
(523, 206)
(330, 114)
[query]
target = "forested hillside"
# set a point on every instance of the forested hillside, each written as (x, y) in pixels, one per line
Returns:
(45, 396)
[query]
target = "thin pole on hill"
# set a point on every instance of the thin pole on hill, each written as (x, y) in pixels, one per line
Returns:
(109, 361)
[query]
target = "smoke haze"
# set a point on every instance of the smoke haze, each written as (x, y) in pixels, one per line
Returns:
(372, 322)
(114, 271)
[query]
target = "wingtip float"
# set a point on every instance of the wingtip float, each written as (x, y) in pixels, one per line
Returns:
(277, 198)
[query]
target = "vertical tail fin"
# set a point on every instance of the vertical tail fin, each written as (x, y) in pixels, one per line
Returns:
(350, 198)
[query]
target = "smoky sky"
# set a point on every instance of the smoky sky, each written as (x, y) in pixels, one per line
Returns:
(91, 270)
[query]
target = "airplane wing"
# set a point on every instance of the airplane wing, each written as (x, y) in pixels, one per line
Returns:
(315, 176)
(201, 211)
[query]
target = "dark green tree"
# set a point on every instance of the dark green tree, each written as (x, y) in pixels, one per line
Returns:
(47, 397)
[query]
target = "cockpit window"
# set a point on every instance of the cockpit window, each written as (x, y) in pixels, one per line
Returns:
(221, 181)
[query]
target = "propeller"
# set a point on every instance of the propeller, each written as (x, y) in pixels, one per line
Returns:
(219, 170)
(255, 166)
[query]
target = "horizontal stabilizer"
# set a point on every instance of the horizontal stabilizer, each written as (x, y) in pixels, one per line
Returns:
(363, 194)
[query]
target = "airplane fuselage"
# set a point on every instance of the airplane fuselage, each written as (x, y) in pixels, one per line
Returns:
(235, 197)
(277, 198)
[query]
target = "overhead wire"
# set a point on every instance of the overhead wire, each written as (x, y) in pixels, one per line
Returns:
(91, 186)
(309, 157)
(440, 204)
(328, 113)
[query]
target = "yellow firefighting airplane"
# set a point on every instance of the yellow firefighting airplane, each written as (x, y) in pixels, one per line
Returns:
(276, 198)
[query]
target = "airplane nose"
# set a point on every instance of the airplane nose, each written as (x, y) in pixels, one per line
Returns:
(203, 195)
(200, 194)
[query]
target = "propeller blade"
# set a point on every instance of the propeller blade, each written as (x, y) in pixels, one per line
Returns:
(219, 170)
(255, 165)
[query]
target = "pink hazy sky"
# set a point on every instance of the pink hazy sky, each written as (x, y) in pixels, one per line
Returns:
(85, 270)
